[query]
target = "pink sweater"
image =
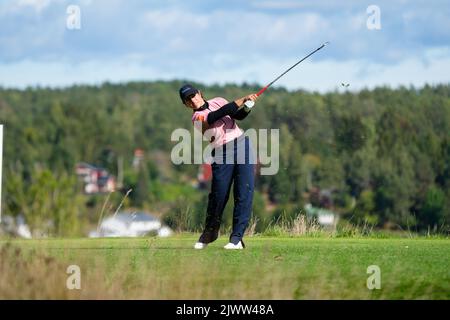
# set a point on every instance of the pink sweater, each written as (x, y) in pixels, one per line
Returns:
(223, 130)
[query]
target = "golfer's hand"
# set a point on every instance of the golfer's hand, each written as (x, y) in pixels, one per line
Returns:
(252, 97)
(200, 117)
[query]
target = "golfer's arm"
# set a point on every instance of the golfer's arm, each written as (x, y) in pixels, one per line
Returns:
(231, 109)
(241, 114)
(227, 110)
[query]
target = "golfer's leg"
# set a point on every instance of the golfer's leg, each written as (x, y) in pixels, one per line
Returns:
(244, 183)
(217, 199)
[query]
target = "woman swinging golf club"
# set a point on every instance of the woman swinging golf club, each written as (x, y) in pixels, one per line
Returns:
(218, 118)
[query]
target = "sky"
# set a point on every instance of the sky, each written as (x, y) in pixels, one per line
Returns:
(59, 43)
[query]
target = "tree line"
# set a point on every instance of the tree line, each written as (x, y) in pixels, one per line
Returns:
(383, 155)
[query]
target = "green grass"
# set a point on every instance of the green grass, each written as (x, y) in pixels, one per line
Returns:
(270, 268)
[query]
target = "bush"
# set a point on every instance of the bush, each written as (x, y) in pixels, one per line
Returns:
(49, 201)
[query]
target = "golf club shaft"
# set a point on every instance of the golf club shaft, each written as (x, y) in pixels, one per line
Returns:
(265, 88)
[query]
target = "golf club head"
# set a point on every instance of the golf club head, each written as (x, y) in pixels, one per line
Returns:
(324, 45)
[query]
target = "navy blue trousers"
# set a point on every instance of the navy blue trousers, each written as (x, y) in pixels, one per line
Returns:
(233, 164)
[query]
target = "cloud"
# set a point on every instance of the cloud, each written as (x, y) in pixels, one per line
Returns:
(17, 6)
(322, 76)
(38, 5)
(224, 40)
(115, 28)
(278, 4)
(165, 21)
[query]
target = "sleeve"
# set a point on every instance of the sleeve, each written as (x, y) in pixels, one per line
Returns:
(226, 110)
(241, 114)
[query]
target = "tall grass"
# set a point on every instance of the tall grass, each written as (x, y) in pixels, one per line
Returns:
(299, 226)
(303, 226)
(276, 268)
(35, 275)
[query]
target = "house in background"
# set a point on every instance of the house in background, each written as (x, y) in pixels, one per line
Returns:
(14, 227)
(131, 224)
(320, 207)
(204, 175)
(324, 217)
(138, 158)
(95, 179)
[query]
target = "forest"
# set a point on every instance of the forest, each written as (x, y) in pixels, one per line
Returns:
(381, 155)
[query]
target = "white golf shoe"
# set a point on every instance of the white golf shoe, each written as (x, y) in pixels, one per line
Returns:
(232, 246)
(200, 245)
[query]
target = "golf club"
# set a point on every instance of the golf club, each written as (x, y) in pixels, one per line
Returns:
(249, 104)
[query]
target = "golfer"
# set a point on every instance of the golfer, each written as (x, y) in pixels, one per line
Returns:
(233, 162)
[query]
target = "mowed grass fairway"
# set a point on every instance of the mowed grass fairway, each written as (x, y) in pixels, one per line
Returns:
(269, 268)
